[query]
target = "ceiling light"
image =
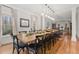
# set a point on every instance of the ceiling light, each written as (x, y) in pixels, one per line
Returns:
(42, 14)
(50, 17)
(49, 8)
(47, 16)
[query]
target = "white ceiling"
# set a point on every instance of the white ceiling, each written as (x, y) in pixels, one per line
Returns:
(62, 11)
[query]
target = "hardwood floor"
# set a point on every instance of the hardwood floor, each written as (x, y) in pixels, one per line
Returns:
(68, 47)
(63, 46)
(7, 49)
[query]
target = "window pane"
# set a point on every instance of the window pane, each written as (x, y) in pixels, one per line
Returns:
(6, 25)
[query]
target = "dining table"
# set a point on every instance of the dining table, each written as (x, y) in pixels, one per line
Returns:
(32, 37)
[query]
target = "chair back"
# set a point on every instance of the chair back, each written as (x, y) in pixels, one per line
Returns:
(15, 41)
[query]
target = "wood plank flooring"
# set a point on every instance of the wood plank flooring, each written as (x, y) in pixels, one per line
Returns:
(63, 46)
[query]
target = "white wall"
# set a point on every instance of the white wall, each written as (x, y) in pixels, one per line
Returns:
(25, 15)
(48, 23)
(22, 13)
(77, 22)
(0, 26)
(37, 20)
(74, 28)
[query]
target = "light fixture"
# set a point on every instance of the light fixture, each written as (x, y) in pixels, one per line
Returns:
(47, 16)
(50, 17)
(49, 8)
(42, 14)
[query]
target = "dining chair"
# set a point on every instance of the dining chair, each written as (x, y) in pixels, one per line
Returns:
(53, 38)
(34, 47)
(18, 45)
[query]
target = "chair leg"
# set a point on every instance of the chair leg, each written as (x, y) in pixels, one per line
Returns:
(27, 50)
(50, 44)
(23, 49)
(41, 49)
(36, 50)
(13, 50)
(44, 48)
(18, 51)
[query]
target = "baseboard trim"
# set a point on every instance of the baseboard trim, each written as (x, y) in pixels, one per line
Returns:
(6, 44)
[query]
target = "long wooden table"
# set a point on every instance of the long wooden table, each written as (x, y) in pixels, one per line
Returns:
(31, 38)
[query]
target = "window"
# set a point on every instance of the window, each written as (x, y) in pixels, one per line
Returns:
(6, 25)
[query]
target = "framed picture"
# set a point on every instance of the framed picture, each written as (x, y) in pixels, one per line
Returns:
(24, 22)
